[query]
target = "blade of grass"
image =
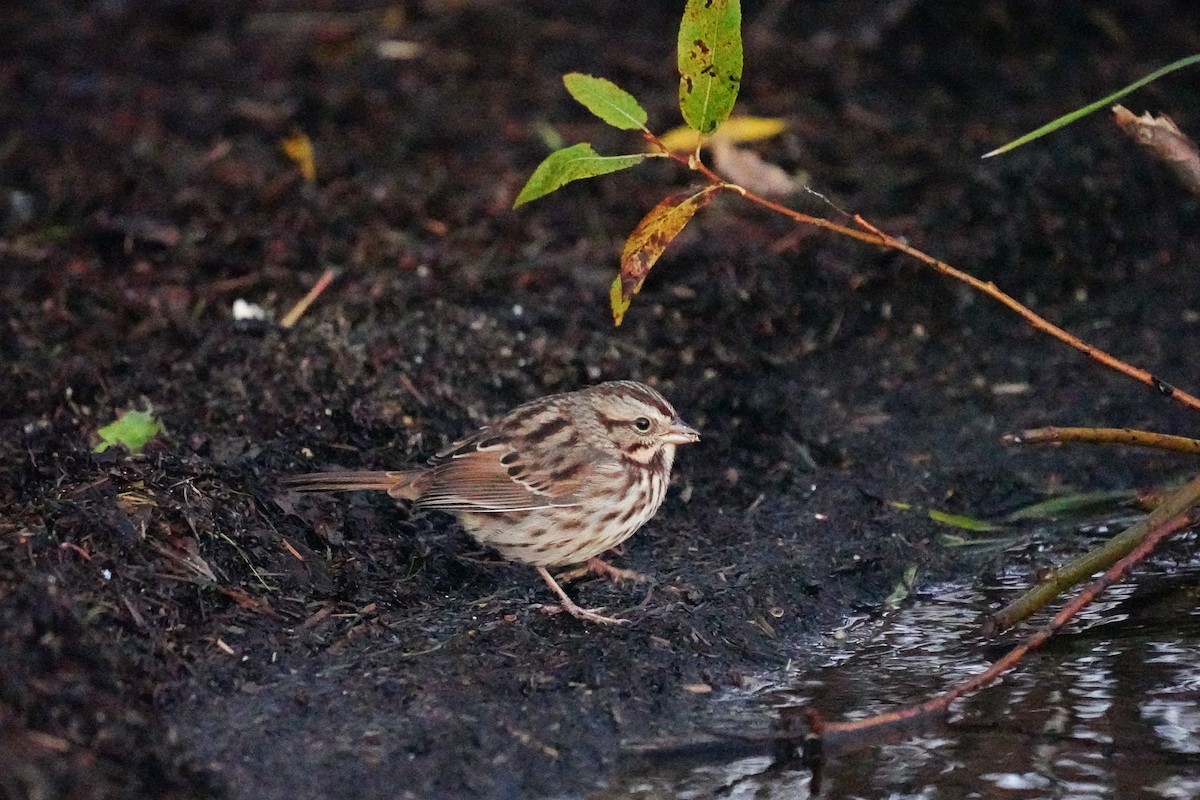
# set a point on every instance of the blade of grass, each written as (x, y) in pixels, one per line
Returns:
(1103, 102)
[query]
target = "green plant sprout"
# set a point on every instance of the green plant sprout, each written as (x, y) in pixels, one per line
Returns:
(710, 74)
(133, 430)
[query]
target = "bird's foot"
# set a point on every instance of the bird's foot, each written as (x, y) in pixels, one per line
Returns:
(574, 609)
(597, 566)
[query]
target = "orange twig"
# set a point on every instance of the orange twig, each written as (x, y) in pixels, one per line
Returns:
(291, 549)
(72, 546)
(1121, 436)
(298, 310)
(872, 235)
(249, 603)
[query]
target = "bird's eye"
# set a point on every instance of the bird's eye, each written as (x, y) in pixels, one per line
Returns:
(642, 425)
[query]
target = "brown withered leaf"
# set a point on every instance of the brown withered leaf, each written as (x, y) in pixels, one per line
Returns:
(1162, 139)
(648, 241)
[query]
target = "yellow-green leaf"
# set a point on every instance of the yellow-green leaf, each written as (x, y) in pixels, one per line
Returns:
(966, 523)
(710, 62)
(132, 430)
(571, 164)
(902, 588)
(735, 129)
(618, 300)
(606, 100)
(648, 240)
(682, 139)
(750, 129)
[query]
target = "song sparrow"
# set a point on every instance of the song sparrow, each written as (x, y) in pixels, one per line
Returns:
(555, 481)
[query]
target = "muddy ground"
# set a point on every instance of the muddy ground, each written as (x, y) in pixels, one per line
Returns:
(174, 626)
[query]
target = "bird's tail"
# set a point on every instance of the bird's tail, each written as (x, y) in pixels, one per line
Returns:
(401, 485)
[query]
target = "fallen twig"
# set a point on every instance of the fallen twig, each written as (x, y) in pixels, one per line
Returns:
(298, 310)
(1164, 526)
(1171, 507)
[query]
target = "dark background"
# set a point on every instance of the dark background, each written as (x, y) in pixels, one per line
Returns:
(174, 626)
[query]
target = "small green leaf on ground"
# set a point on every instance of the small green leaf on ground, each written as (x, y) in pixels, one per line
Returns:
(710, 62)
(132, 430)
(648, 241)
(572, 164)
(966, 523)
(606, 100)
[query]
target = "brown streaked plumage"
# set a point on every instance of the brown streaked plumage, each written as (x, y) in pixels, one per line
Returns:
(556, 481)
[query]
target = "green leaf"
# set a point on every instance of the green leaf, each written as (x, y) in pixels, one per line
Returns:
(710, 62)
(132, 430)
(950, 540)
(648, 241)
(1073, 505)
(572, 164)
(1103, 102)
(902, 588)
(606, 100)
(966, 523)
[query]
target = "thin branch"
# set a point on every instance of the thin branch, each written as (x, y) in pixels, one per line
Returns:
(1119, 436)
(293, 316)
(872, 235)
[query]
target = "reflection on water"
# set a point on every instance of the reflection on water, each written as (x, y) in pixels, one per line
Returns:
(1108, 709)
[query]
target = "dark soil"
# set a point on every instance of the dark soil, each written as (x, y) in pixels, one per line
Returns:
(174, 626)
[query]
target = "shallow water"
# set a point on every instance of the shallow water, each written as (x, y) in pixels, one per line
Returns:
(1109, 708)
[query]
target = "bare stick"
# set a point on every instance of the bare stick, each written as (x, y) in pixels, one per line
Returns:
(298, 310)
(1120, 436)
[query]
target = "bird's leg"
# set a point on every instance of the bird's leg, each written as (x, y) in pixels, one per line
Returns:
(572, 608)
(598, 566)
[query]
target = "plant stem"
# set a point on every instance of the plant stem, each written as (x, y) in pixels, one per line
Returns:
(1121, 436)
(868, 233)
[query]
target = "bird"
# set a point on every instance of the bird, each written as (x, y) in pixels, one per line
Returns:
(554, 482)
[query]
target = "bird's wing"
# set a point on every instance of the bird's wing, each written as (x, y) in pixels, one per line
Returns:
(486, 473)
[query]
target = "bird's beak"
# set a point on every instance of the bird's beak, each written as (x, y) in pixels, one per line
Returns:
(680, 433)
